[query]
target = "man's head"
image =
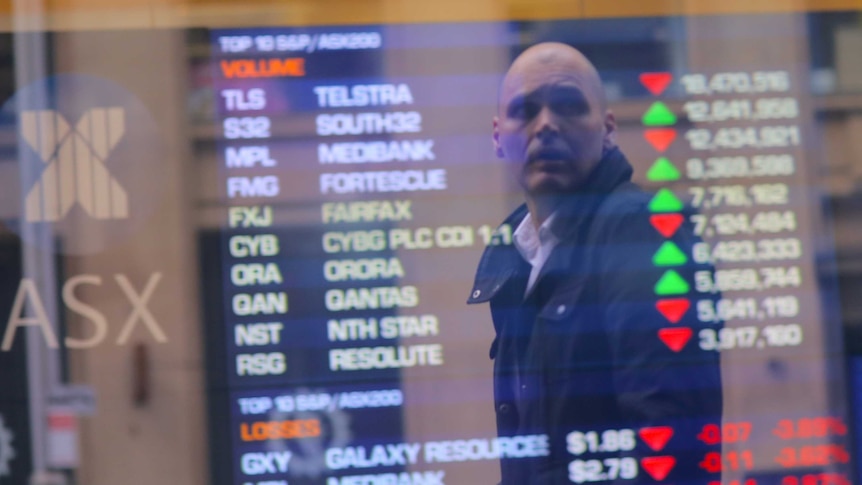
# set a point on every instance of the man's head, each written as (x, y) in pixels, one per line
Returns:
(552, 123)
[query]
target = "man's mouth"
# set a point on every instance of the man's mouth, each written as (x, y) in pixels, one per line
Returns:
(548, 157)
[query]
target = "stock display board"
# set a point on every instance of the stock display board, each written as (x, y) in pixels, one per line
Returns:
(360, 188)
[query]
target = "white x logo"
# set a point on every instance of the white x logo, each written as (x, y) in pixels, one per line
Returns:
(76, 170)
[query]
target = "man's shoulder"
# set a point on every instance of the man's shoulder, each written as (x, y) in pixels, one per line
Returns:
(618, 209)
(499, 259)
(516, 216)
(626, 199)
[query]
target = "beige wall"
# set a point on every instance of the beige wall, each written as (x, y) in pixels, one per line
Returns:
(162, 440)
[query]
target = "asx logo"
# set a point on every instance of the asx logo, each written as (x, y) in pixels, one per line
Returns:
(92, 162)
(75, 156)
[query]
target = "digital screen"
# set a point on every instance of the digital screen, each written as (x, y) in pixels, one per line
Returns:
(361, 186)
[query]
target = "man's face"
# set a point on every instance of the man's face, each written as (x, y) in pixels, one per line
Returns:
(551, 127)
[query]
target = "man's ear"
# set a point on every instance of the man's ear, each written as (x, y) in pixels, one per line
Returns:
(495, 136)
(610, 139)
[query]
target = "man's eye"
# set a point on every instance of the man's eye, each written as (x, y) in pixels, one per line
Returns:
(522, 110)
(570, 106)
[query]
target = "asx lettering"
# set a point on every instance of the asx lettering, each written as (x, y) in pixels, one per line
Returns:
(28, 297)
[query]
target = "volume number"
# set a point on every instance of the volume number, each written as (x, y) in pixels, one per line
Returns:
(747, 279)
(747, 250)
(735, 137)
(737, 82)
(738, 196)
(741, 109)
(714, 168)
(750, 337)
(710, 311)
(729, 224)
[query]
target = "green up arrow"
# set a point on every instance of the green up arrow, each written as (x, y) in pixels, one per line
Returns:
(663, 171)
(671, 283)
(665, 201)
(659, 115)
(669, 254)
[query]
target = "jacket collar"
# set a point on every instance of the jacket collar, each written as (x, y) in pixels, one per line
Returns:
(499, 263)
(578, 208)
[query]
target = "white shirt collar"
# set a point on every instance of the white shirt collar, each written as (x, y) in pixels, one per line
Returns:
(535, 246)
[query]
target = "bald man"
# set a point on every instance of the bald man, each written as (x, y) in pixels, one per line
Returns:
(572, 300)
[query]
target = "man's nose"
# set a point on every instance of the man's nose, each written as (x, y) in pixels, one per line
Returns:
(546, 124)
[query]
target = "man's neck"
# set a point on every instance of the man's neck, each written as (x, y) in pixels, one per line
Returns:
(541, 208)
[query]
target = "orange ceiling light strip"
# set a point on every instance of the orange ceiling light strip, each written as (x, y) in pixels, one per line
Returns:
(105, 14)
